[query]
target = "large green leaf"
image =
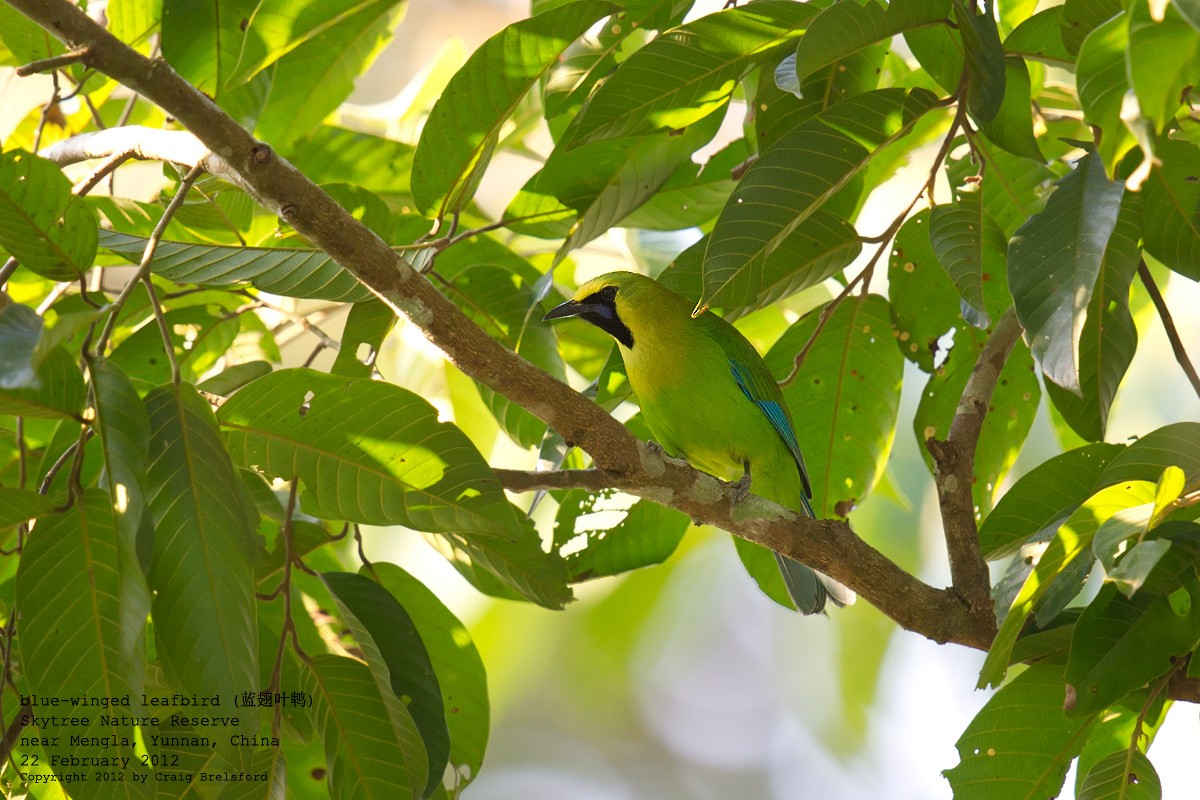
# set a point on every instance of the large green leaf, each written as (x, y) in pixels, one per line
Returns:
(1053, 262)
(1174, 445)
(689, 72)
(58, 390)
(331, 154)
(1039, 37)
(291, 272)
(83, 617)
(124, 431)
(134, 21)
(1014, 188)
(1163, 61)
(846, 397)
(20, 333)
(1121, 643)
(1081, 17)
(456, 662)
(969, 245)
(1020, 744)
(1012, 127)
(1124, 775)
(986, 74)
(646, 535)
(366, 451)
(1109, 338)
(21, 505)
(465, 123)
(693, 195)
(399, 664)
(1171, 226)
(365, 754)
(203, 608)
(791, 181)
(320, 66)
(367, 325)
(1102, 84)
(846, 28)
(1048, 493)
(924, 301)
(42, 225)
(24, 39)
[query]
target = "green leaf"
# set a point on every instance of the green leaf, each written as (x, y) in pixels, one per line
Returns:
(463, 127)
(319, 65)
(1014, 188)
(1121, 526)
(847, 392)
(969, 245)
(1071, 538)
(939, 50)
(924, 302)
(647, 535)
(843, 29)
(291, 272)
(1169, 488)
(689, 72)
(1171, 227)
(1163, 61)
(693, 195)
(331, 154)
(366, 451)
(1102, 85)
(203, 608)
(20, 333)
(25, 39)
(1108, 339)
(1081, 17)
(229, 380)
(134, 21)
(1174, 445)
(791, 181)
(88, 641)
(1012, 127)
(1124, 775)
(1122, 643)
(124, 431)
(1137, 564)
(366, 756)
(399, 664)
(367, 325)
(1053, 262)
(22, 505)
(986, 72)
(42, 225)
(1039, 37)
(456, 662)
(819, 247)
(57, 392)
(1049, 492)
(1021, 743)
(202, 40)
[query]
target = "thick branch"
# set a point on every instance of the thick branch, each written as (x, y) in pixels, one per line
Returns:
(955, 460)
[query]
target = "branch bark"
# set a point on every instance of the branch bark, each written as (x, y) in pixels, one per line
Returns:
(955, 461)
(827, 545)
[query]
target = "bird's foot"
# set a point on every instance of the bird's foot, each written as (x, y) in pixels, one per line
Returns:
(740, 488)
(657, 449)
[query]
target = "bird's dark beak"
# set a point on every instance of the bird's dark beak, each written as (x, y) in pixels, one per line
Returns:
(571, 308)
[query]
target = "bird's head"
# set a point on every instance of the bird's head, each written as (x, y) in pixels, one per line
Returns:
(619, 303)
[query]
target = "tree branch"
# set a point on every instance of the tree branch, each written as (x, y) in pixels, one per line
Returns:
(955, 474)
(1168, 323)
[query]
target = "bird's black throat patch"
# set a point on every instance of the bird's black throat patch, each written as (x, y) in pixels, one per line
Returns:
(601, 311)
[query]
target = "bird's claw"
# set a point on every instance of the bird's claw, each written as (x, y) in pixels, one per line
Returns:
(740, 488)
(657, 449)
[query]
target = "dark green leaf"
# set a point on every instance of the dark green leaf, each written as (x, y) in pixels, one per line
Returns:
(1039, 37)
(57, 392)
(985, 61)
(21, 505)
(203, 608)
(1175, 445)
(924, 302)
(291, 272)
(1012, 127)
(42, 225)
(1163, 61)
(1046, 494)
(398, 662)
(366, 753)
(1124, 775)
(1171, 227)
(20, 332)
(464, 124)
(1122, 643)
(847, 393)
(374, 163)
(846, 28)
(689, 72)
(1102, 84)
(1021, 743)
(457, 664)
(969, 245)
(1081, 17)
(1014, 188)
(791, 181)
(1053, 262)
(233, 378)
(939, 50)
(124, 433)
(1109, 338)
(89, 641)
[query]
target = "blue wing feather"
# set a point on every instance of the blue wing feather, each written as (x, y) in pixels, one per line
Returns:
(775, 412)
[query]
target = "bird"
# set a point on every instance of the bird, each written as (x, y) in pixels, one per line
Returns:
(707, 396)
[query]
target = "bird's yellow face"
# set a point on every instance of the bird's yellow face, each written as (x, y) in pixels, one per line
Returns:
(600, 301)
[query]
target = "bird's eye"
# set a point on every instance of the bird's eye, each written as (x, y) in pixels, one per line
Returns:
(608, 293)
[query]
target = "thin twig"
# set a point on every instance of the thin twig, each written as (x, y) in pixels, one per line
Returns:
(147, 257)
(45, 116)
(1168, 324)
(54, 62)
(61, 461)
(107, 166)
(7, 270)
(292, 317)
(285, 588)
(161, 320)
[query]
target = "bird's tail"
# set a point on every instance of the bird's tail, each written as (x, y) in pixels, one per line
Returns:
(808, 588)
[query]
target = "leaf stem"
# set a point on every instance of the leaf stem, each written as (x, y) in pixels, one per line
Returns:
(54, 62)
